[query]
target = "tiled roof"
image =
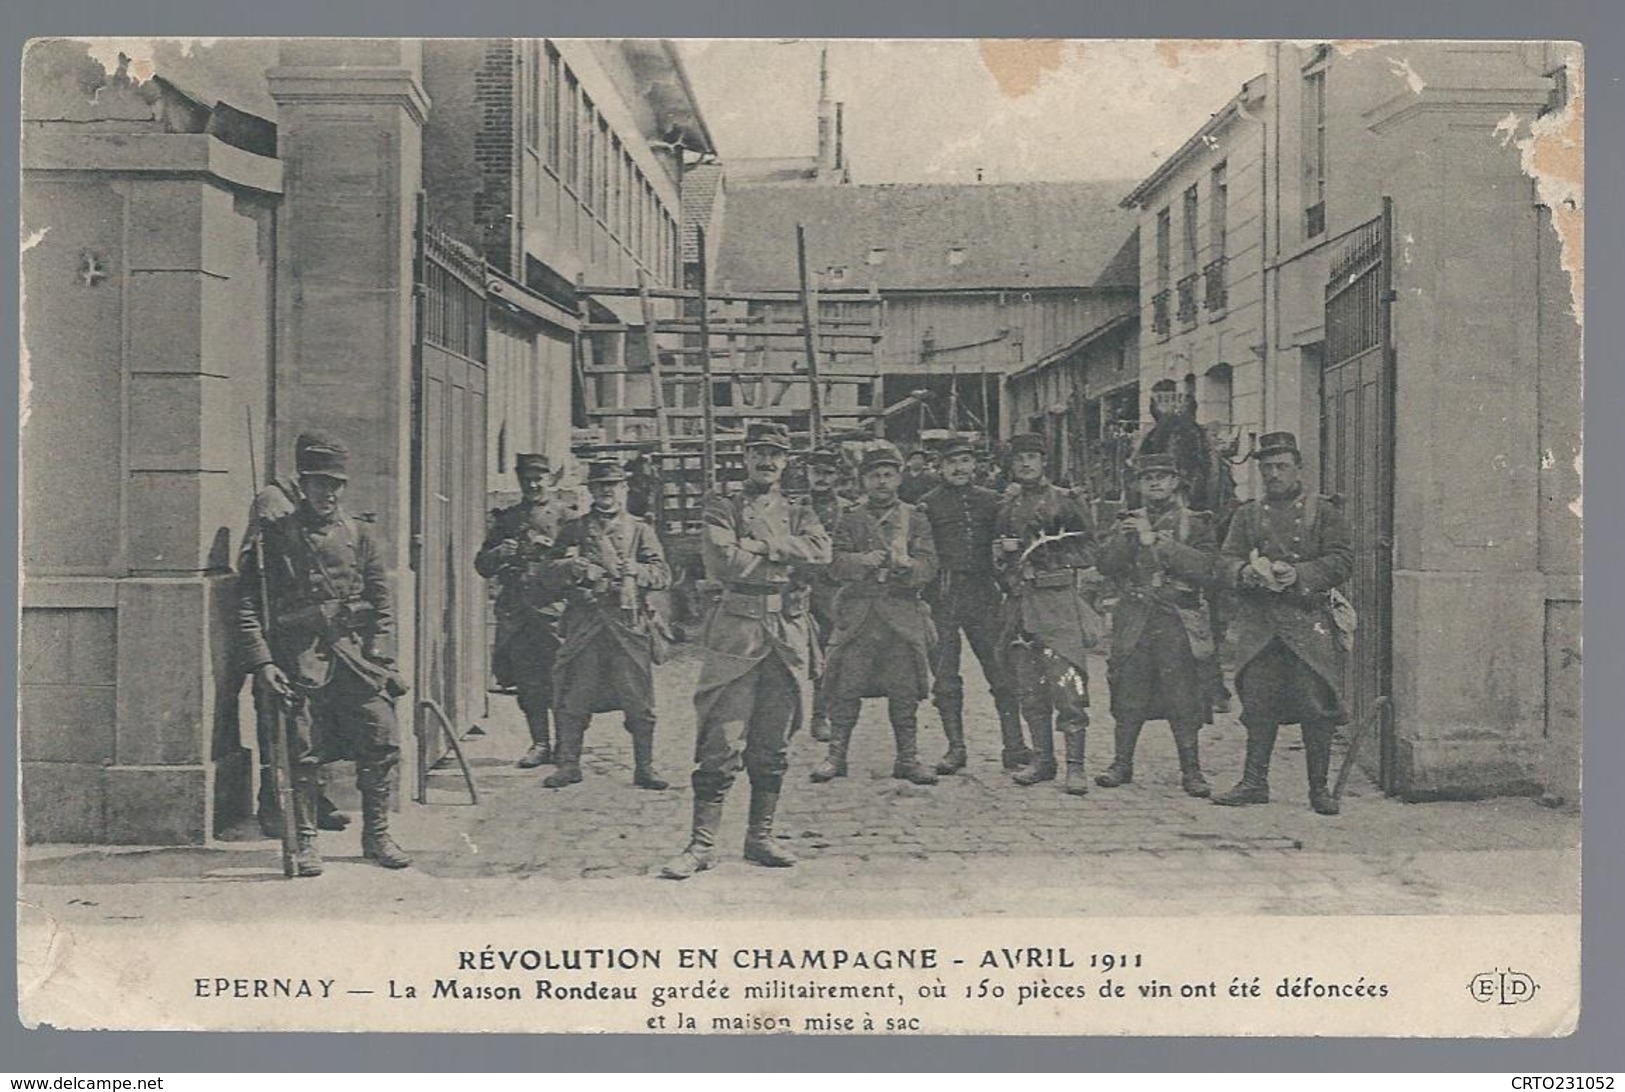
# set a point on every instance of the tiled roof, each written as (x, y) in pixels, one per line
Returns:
(701, 184)
(912, 236)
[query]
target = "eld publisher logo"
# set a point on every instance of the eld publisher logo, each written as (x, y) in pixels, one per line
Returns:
(1506, 987)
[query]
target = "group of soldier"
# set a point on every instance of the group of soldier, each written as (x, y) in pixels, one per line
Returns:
(816, 603)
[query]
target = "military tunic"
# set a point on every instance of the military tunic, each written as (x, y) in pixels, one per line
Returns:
(1289, 660)
(1162, 639)
(606, 660)
(527, 615)
(332, 633)
(824, 588)
(883, 632)
(1048, 625)
(965, 596)
(915, 486)
(754, 685)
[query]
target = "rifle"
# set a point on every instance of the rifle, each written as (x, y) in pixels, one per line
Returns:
(1378, 709)
(281, 767)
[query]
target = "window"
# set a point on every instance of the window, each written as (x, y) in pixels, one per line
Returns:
(1215, 297)
(1188, 229)
(616, 186)
(601, 197)
(532, 107)
(1164, 249)
(550, 110)
(589, 153)
(1160, 318)
(572, 130)
(1314, 153)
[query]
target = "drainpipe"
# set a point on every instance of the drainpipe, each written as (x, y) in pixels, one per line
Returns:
(1264, 264)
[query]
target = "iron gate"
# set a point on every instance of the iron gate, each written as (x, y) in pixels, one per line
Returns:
(1357, 451)
(448, 489)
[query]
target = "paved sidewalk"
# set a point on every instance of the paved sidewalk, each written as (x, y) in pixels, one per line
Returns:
(975, 844)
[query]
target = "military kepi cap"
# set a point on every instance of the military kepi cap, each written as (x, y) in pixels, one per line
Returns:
(524, 460)
(957, 445)
(767, 434)
(1276, 443)
(321, 454)
(1024, 442)
(882, 454)
(1147, 465)
(824, 456)
(605, 470)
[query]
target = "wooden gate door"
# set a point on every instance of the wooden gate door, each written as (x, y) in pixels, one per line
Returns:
(1357, 464)
(448, 490)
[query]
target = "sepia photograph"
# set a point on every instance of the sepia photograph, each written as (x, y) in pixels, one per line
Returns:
(851, 536)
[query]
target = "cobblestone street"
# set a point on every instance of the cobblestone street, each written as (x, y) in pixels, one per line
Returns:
(872, 846)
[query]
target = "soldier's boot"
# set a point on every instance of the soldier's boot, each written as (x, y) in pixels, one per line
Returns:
(269, 809)
(1077, 778)
(1016, 753)
(1254, 786)
(820, 714)
(567, 758)
(1190, 761)
(1041, 767)
(905, 732)
(376, 844)
(328, 815)
(760, 845)
(1126, 736)
(643, 752)
(953, 726)
(307, 860)
(1317, 753)
(840, 738)
(709, 792)
(541, 747)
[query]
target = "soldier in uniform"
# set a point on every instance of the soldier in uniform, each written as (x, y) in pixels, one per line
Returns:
(758, 547)
(965, 596)
(823, 475)
(918, 477)
(327, 652)
(1283, 555)
(516, 544)
(1162, 557)
(604, 564)
(883, 638)
(1045, 542)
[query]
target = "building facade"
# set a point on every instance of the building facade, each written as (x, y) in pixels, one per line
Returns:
(1351, 250)
(977, 281)
(1201, 220)
(240, 238)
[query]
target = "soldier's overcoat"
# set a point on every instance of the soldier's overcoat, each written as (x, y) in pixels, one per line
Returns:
(1164, 582)
(606, 660)
(1045, 597)
(879, 613)
(740, 631)
(527, 615)
(1319, 546)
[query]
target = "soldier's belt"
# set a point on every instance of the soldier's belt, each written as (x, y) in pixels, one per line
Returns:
(752, 604)
(1055, 578)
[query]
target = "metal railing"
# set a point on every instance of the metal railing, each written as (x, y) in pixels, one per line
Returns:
(1215, 294)
(1160, 322)
(1187, 299)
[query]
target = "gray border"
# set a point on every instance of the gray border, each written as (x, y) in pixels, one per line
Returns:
(1592, 1049)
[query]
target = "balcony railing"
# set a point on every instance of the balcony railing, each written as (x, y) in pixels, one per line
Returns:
(1187, 299)
(1160, 324)
(1215, 297)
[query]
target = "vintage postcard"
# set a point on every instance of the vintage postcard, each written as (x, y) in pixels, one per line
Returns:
(814, 537)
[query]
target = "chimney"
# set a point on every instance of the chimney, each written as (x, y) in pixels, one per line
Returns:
(827, 139)
(840, 142)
